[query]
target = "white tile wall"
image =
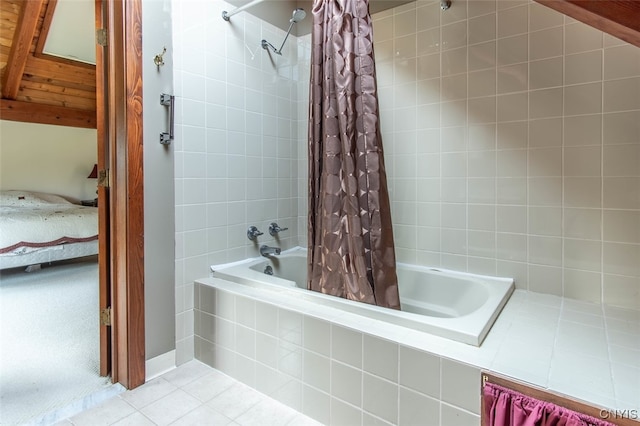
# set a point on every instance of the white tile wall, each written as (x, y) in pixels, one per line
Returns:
(532, 169)
(545, 330)
(511, 134)
(332, 373)
(236, 145)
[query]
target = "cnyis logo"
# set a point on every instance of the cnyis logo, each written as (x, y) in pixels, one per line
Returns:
(619, 414)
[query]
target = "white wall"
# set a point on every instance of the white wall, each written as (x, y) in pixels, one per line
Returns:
(159, 221)
(46, 158)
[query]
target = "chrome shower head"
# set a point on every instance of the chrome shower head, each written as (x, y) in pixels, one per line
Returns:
(298, 15)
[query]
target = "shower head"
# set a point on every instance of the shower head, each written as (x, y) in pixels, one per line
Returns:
(297, 16)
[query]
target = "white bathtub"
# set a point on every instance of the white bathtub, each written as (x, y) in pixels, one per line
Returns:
(453, 305)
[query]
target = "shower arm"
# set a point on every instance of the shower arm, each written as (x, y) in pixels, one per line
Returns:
(227, 15)
(266, 45)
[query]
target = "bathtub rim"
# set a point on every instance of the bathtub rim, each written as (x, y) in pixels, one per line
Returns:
(471, 329)
(301, 250)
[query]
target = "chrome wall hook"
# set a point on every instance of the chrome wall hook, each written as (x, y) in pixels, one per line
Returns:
(445, 4)
(158, 59)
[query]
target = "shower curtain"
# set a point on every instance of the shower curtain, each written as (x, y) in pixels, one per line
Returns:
(351, 249)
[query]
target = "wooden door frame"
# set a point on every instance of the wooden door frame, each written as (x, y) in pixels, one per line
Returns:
(104, 267)
(121, 123)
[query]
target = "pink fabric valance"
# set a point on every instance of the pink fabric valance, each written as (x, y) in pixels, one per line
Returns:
(506, 407)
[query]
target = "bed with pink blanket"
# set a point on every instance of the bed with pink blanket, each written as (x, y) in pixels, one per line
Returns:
(38, 228)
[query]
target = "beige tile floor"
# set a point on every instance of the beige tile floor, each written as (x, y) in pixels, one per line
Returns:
(192, 394)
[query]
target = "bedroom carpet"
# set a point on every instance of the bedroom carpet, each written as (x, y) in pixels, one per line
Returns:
(49, 342)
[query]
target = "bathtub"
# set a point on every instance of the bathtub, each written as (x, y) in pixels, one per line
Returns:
(454, 305)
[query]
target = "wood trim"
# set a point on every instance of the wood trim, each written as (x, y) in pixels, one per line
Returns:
(25, 31)
(46, 26)
(42, 40)
(124, 101)
(545, 395)
(117, 234)
(30, 112)
(135, 190)
(620, 18)
(104, 271)
(61, 71)
(54, 58)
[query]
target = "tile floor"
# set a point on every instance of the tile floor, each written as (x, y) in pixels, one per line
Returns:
(192, 394)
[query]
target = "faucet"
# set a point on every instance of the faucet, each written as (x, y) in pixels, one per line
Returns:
(253, 233)
(274, 229)
(267, 251)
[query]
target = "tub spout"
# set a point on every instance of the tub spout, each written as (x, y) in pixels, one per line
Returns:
(267, 251)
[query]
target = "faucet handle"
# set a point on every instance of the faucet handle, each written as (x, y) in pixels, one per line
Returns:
(253, 233)
(274, 229)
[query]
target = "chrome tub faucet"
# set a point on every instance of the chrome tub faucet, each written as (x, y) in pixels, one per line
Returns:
(253, 233)
(274, 229)
(267, 251)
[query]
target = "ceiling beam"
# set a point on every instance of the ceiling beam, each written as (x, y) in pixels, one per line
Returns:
(17, 60)
(30, 112)
(620, 18)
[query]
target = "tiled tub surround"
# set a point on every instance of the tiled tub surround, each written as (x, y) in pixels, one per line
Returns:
(341, 368)
(512, 140)
(511, 135)
(450, 304)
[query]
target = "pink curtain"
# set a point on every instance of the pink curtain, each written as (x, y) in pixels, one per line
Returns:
(351, 250)
(505, 407)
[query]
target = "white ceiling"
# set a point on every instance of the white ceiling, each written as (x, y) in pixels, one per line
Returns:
(72, 33)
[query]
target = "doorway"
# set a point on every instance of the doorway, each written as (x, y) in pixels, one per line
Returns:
(50, 345)
(120, 199)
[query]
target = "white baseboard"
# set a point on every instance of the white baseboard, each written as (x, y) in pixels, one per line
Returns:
(159, 365)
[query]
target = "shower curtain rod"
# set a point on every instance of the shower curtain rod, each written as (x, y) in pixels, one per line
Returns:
(226, 15)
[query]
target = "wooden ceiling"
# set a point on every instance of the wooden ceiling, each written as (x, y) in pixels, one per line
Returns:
(620, 18)
(41, 88)
(37, 87)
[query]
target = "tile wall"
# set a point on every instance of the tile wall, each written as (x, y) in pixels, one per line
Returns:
(512, 138)
(235, 149)
(320, 369)
(512, 145)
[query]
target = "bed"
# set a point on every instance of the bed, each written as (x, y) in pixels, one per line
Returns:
(37, 228)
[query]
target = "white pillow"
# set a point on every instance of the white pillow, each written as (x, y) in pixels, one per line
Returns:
(28, 198)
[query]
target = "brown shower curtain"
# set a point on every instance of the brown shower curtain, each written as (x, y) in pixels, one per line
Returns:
(351, 250)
